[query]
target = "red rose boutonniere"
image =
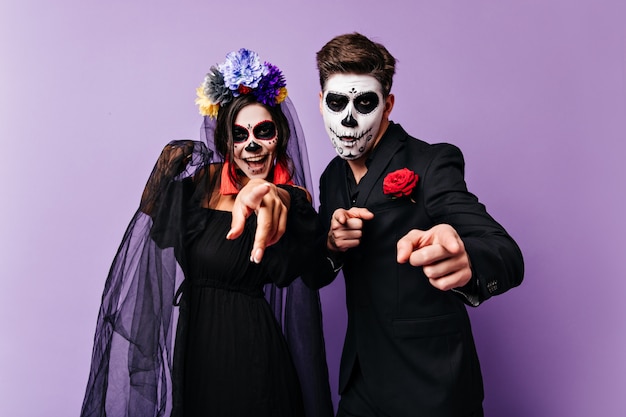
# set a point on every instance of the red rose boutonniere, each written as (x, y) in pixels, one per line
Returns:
(400, 183)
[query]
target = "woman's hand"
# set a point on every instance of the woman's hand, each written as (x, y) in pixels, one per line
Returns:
(271, 205)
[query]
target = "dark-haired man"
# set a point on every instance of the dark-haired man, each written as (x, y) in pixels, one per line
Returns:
(414, 244)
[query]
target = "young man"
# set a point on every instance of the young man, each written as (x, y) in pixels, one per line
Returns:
(415, 247)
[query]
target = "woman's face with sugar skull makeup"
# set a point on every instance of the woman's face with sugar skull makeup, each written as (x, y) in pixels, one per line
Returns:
(352, 107)
(255, 139)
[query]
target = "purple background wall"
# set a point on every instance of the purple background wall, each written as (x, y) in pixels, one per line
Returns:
(534, 92)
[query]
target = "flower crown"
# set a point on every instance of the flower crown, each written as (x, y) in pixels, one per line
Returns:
(241, 73)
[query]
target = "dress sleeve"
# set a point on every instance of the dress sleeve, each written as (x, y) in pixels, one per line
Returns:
(167, 196)
(323, 267)
(289, 256)
(132, 357)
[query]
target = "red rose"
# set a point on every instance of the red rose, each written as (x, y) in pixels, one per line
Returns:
(400, 183)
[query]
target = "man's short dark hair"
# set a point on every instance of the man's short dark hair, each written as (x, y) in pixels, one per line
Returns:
(353, 53)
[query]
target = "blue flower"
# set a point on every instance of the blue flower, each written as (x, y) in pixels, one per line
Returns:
(242, 67)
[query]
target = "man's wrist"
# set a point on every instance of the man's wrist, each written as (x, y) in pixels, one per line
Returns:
(470, 292)
(335, 259)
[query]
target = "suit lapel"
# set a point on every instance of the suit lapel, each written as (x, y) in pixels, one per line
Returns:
(391, 142)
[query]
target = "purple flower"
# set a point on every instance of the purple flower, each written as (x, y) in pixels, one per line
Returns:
(270, 85)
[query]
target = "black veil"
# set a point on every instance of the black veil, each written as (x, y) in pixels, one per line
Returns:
(135, 340)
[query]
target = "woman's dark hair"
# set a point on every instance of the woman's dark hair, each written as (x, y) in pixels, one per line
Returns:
(226, 122)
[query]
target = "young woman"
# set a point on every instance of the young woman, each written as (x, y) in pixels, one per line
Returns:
(194, 320)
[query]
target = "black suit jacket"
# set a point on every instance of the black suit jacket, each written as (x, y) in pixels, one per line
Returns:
(414, 342)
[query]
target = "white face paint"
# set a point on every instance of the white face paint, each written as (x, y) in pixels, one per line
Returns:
(255, 140)
(352, 108)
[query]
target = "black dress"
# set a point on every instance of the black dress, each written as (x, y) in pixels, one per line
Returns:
(236, 361)
(219, 349)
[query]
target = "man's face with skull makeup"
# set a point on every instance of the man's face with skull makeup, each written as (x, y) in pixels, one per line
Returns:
(255, 139)
(352, 107)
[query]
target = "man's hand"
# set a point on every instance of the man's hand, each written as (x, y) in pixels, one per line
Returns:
(441, 253)
(262, 198)
(346, 228)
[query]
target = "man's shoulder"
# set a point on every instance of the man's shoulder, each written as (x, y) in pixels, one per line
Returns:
(419, 147)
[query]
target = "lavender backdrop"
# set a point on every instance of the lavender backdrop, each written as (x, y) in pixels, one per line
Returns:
(534, 92)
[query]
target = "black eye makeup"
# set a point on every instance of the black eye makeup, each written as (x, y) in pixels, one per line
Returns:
(366, 102)
(336, 102)
(264, 130)
(363, 103)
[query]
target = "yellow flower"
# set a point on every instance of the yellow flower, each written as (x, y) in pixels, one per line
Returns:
(282, 95)
(205, 106)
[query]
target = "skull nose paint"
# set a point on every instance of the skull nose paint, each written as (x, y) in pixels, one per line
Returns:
(253, 147)
(349, 121)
